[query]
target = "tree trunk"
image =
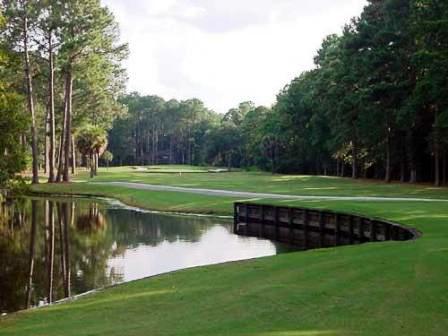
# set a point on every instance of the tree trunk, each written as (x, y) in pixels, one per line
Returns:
(136, 144)
(29, 88)
(73, 155)
(388, 177)
(50, 250)
(444, 168)
(51, 121)
(61, 154)
(436, 139)
(153, 146)
(411, 156)
(29, 287)
(61, 241)
(66, 216)
(97, 159)
(92, 165)
(62, 141)
(156, 148)
(355, 160)
(436, 164)
(171, 150)
(47, 142)
(148, 146)
(402, 171)
(68, 128)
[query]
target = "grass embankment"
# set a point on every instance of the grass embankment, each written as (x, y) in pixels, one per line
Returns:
(265, 182)
(394, 288)
(237, 181)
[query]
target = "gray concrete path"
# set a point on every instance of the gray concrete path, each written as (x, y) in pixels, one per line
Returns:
(246, 194)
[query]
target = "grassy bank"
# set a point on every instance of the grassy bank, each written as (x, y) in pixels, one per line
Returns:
(264, 182)
(394, 288)
(154, 200)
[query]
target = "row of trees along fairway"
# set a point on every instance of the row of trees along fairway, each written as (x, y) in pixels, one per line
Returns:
(70, 57)
(375, 105)
(12, 120)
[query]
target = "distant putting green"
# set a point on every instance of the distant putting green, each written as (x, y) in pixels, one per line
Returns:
(391, 288)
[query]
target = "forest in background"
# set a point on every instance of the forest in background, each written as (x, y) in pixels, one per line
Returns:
(374, 106)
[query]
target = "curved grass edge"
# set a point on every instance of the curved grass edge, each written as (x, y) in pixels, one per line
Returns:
(389, 289)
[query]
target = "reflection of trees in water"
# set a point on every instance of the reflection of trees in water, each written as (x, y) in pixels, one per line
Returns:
(51, 248)
(14, 237)
(132, 228)
(94, 245)
(92, 221)
(45, 255)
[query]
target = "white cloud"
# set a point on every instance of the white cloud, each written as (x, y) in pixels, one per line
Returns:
(224, 52)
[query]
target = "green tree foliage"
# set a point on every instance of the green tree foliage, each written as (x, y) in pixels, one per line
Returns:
(13, 122)
(376, 103)
(92, 143)
(158, 131)
(107, 157)
(430, 24)
(72, 57)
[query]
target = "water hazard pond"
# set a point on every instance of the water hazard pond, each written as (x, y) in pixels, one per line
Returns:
(54, 248)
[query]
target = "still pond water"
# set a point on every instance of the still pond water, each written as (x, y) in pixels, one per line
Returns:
(54, 248)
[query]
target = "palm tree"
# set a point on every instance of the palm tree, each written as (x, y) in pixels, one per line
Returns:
(92, 142)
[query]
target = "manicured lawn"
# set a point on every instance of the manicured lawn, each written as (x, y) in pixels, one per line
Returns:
(265, 182)
(393, 288)
(154, 200)
(374, 289)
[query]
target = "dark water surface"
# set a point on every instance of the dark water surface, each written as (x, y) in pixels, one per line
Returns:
(54, 248)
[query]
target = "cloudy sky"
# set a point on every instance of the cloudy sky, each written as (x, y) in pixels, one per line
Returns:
(224, 51)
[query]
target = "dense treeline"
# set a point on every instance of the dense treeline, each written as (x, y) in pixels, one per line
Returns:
(61, 75)
(156, 131)
(12, 121)
(376, 105)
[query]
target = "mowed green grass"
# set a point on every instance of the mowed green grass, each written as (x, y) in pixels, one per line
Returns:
(393, 288)
(263, 182)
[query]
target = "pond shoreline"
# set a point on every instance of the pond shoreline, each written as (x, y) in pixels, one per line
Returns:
(123, 204)
(169, 266)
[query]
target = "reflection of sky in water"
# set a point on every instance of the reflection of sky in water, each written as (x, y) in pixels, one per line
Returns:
(215, 245)
(96, 244)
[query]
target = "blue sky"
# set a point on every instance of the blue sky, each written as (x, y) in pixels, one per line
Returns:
(224, 51)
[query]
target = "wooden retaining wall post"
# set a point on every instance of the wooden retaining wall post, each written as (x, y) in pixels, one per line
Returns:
(361, 229)
(356, 227)
(395, 233)
(276, 219)
(351, 229)
(387, 229)
(322, 229)
(372, 230)
(305, 228)
(337, 229)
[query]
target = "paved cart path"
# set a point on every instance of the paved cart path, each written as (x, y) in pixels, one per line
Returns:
(246, 194)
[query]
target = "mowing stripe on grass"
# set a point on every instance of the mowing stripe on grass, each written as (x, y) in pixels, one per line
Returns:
(229, 193)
